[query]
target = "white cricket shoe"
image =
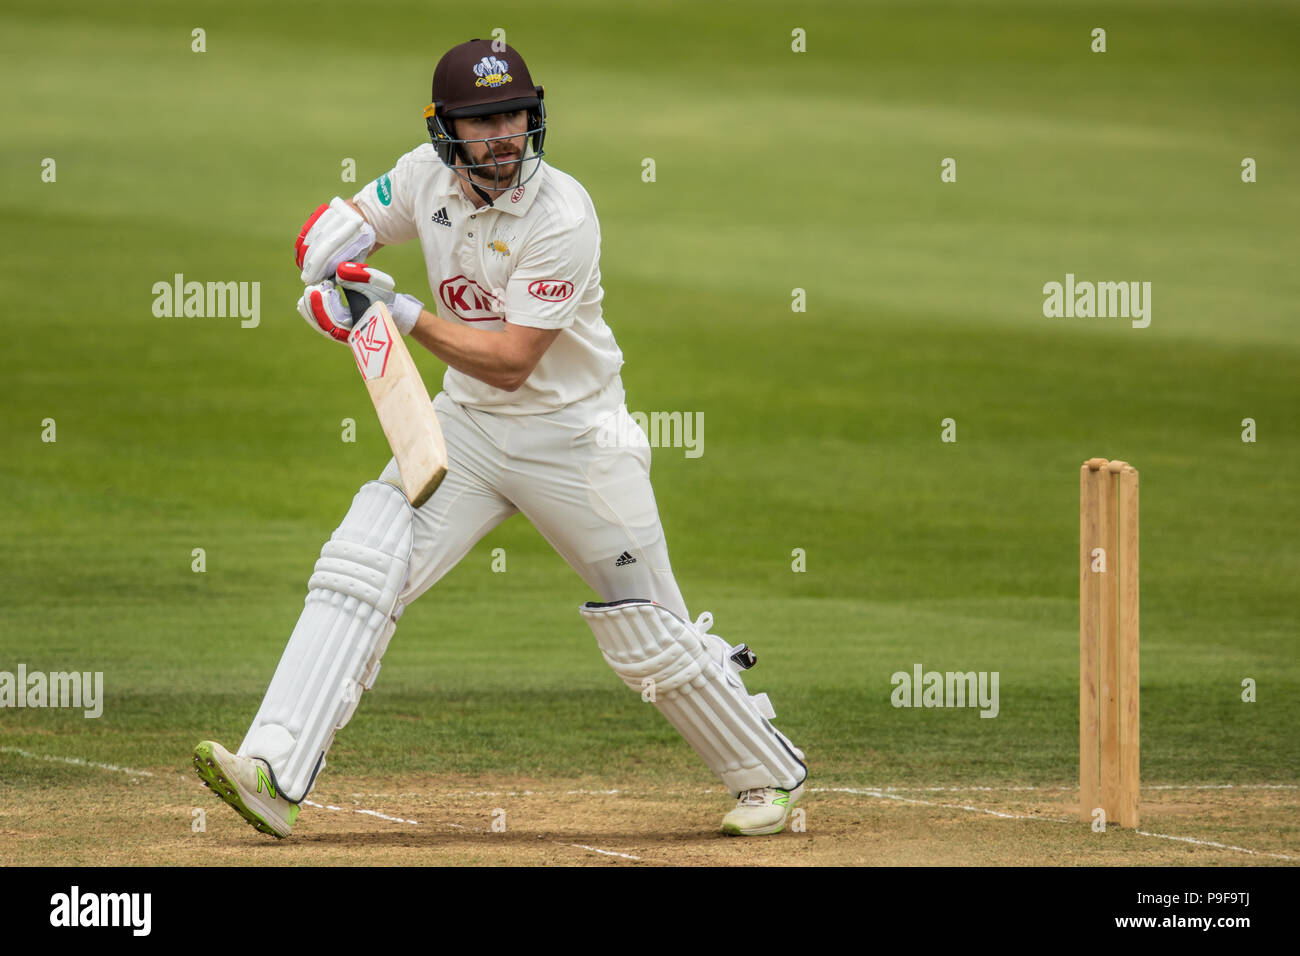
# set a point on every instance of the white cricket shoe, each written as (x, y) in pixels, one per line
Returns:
(761, 810)
(246, 785)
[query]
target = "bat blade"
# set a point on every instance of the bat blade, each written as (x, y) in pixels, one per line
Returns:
(401, 401)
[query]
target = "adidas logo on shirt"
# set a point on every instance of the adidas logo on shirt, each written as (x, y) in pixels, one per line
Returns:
(441, 217)
(624, 559)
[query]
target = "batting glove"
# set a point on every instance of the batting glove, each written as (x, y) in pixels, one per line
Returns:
(325, 311)
(361, 280)
(335, 233)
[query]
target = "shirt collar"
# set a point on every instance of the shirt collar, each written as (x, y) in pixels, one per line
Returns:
(517, 202)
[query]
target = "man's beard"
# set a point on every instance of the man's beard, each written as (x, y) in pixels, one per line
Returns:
(499, 175)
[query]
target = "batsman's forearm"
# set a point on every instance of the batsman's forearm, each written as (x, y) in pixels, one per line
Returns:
(486, 356)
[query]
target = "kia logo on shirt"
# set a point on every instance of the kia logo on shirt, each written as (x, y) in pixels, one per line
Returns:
(551, 290)
(469, 301)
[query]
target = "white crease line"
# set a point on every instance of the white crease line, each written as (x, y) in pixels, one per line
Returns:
(76, 761)
(1225, 786)
(950, 806)
(1221, 846)
(503, 793)
(596, 849)
(966, 789)
(458, 826)
(1016, 816)
(999, 813)
(974, 789)
(944, 789)
(369, 813)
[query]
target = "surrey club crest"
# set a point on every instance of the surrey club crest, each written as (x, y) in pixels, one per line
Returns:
(491, 72)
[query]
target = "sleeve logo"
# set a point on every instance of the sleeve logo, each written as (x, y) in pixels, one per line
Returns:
(551, 290)
(384, 189)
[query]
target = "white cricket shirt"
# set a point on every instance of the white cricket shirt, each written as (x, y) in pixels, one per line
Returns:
(531, 259)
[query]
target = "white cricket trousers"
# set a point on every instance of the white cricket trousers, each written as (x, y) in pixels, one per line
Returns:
(588, 496)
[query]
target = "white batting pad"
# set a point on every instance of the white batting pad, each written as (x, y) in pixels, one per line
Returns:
(333, 654)
(691, 678)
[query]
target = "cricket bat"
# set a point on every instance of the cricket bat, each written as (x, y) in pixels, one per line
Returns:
(401, 402)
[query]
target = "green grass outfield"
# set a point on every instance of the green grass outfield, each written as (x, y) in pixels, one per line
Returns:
(775, 170)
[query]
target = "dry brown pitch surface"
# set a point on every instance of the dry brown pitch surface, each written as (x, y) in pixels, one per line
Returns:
(111, 818)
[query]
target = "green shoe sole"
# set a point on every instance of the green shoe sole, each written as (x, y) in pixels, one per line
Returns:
(209, 771)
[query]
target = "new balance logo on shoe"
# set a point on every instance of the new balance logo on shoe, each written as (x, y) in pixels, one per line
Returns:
(262, 778)
(441, 217)
(624, 559)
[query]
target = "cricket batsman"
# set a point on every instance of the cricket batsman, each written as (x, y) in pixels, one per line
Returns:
(532, 411)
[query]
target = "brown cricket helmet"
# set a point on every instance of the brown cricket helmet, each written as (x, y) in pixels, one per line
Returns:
(480, 78)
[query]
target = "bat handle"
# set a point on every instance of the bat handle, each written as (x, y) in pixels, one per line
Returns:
(358, 304)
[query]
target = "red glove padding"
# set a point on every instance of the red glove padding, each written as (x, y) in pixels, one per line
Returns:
(334, 233)
(300, 246)
(325, 311)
